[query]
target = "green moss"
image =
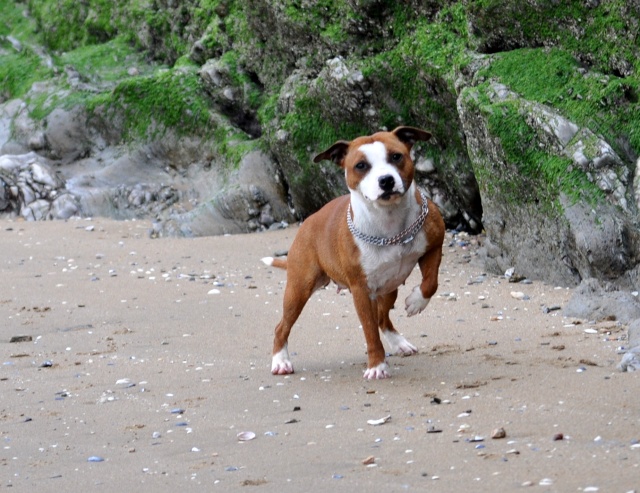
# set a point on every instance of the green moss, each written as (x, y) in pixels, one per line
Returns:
(152, 104)
(106, 62)
(530, 174)
(14, 23)
(18, 72)
(240, 78)
(232, 145)
(67, 24)
(607, 105)
(267, 111)
(18, 69)
(600, 33)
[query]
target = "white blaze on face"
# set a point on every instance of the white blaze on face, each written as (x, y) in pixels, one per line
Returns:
(376, 154)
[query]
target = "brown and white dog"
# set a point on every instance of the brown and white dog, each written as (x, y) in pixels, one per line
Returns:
(368, 241)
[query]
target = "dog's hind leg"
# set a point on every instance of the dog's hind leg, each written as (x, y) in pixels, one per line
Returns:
(296, 294)
(397, 342)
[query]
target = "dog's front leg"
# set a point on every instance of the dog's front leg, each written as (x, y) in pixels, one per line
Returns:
(397, 342)
(367, 310)
(421, 295)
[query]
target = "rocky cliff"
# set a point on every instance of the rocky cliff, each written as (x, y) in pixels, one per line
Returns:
(203, 115)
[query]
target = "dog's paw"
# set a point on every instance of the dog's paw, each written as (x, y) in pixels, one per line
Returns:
(415, 302)
(377, 372)
(280, 363)
(398, 344)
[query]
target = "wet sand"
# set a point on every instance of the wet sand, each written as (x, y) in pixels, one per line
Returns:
(149, 356)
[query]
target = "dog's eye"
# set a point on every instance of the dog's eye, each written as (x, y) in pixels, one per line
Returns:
(396, 156)
(361, 166)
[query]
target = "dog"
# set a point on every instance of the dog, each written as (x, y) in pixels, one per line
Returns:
(368, 241)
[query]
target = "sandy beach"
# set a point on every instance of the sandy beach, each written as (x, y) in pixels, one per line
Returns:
(140, 361)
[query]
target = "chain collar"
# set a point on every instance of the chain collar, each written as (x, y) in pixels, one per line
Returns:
(401, 238)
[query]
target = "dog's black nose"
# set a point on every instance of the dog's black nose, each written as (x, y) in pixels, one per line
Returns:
(386, 182)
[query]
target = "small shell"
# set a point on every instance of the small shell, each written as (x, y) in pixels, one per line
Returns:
(378, 422)
(245, 436)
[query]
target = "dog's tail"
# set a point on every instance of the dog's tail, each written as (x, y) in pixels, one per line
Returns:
(280, 263)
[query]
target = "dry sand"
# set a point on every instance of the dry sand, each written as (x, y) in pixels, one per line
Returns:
(133, 330)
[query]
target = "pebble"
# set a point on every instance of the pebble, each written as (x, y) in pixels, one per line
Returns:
(369, 460)
(498, 433)
(15, 339)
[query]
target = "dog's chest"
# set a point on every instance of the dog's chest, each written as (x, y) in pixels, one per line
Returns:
(387, 267)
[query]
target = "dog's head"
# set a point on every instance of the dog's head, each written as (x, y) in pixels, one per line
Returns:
(378, 166)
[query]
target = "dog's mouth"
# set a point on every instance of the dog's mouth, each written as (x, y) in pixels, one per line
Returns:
(387, 196)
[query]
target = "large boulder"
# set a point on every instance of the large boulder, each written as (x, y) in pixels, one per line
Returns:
(558, 201)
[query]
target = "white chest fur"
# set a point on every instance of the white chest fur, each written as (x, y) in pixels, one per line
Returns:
(387, 267)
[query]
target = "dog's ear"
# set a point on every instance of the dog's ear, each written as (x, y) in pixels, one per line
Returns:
(335, 153)
(410, 135)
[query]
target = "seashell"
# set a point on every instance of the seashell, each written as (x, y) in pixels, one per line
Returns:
(378, 422)
(245, 436)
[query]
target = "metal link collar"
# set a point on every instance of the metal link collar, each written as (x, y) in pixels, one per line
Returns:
(401, 238)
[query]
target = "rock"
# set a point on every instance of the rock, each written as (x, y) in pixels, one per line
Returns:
(593, 300)
(64, 206)
(498, 433)
(30, 186)
(552, 237)
(66, 134)
(38, 210)
(634, 333)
